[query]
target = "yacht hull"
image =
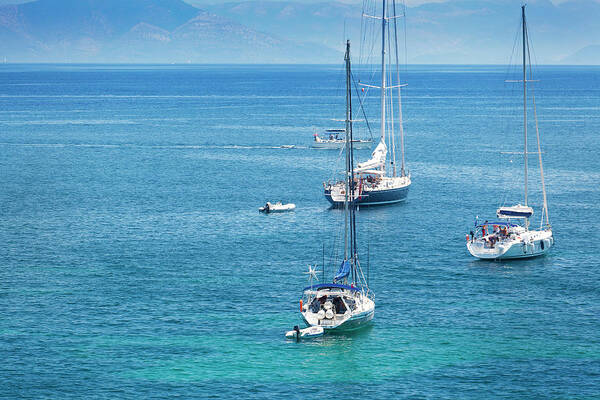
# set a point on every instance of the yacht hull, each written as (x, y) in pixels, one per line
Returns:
(355, 322)
(374, 197)
(540, 244)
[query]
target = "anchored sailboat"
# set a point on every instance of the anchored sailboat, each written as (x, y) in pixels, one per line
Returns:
(346, 303)
(506, 239)
(377, 179)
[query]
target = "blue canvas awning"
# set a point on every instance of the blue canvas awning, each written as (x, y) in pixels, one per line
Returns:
(331, 286)
(499, 223)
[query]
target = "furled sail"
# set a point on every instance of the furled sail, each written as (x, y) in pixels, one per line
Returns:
(517, 211)
(343, 272)
(377, 159)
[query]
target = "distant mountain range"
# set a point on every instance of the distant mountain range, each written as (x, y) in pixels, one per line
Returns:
(456, 31)
(139, 31)
(257, 31)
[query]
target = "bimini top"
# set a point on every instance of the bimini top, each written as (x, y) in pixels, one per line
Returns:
(507, 224)
(335, 130)
(517, 211)
(331, 286)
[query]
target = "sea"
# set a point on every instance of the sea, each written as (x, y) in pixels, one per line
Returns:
(134, 262)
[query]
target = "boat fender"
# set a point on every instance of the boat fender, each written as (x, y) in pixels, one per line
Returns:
(468, 238)
(301, 309)
(542, 244)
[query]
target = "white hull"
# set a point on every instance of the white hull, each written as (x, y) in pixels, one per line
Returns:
(354, 317)
(306, 333)
(526, 245)
(338, 144)
(277, 208)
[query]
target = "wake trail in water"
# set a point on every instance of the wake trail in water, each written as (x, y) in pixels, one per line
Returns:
(141, 146)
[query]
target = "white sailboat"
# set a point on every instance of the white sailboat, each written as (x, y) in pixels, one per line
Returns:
(507, 239)
(378, 180)
(346, 303)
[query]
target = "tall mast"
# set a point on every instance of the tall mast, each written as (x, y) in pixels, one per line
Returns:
(350, 148)
(524, 96)
(383, 88)
(348, 130)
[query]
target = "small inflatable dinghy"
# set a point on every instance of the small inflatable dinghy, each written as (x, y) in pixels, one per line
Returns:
(276, 207)
(306, 333)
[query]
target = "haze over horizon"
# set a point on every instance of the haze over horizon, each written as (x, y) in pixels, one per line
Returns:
(277, 31)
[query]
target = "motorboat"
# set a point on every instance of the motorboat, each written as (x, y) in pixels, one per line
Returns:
(335, 139)
(276, 207)
(306, 333)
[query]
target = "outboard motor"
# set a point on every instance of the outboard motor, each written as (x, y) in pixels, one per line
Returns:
(297, 329)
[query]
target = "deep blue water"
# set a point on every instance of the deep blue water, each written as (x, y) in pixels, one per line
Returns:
(134, 263)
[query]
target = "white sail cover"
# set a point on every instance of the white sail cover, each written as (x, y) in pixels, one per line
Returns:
(517, 211)
(377, 159)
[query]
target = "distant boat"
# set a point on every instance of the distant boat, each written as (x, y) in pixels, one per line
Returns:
(346, 303)
(336, 139)
(377, 180)
(506, 239)
(307, 333)
(276, 207)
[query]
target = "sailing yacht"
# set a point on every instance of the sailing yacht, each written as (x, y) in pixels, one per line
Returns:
(377, 179)
(346, 303)
(512, 237)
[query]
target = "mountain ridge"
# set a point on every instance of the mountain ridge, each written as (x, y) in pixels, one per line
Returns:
(266, 31)
(458, 31)
(138, 31)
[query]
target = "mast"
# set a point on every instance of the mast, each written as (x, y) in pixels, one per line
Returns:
(524, 94)
(383, 88)
(348, 170)
(349, 138)
(349, 210)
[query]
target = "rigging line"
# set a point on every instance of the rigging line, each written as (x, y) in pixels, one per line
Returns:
(360, 101)
(392, 122)
(405, 54)
(524, 26)
(362, 23)
(400, 125)
(537, 135)
(510, 71)
(365, 35)
(514, 49)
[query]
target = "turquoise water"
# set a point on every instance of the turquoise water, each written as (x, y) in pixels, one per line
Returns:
(134, 262)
